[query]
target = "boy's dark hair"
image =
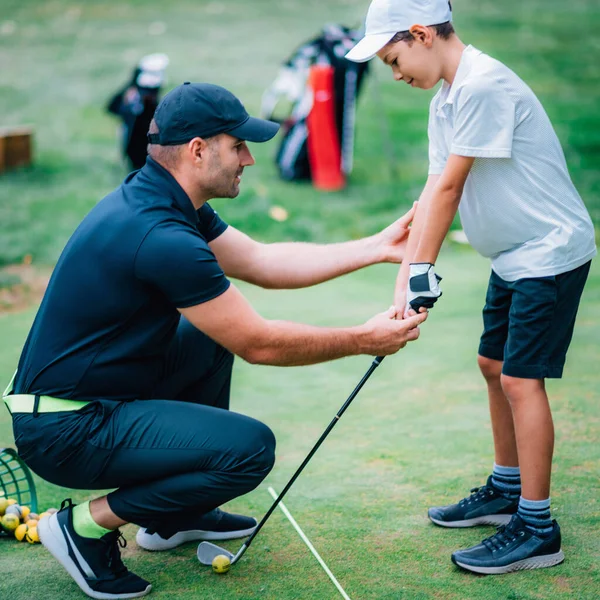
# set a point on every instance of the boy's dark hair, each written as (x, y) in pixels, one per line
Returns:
(443, 30)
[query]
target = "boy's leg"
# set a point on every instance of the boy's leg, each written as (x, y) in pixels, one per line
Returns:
(542, 318)
(534, 433)
(503, 430)
(495, 502)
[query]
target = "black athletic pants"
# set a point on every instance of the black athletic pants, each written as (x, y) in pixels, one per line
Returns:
(185, 455)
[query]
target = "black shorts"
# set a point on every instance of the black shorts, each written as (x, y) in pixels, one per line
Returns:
(528, 323)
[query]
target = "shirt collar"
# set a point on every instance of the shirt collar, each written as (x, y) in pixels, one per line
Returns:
(464, 66)
(160, 178)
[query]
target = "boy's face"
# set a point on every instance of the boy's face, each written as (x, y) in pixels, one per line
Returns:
(412, 62)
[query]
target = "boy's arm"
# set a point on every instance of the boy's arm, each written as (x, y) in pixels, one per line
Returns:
(441, 198)
(443, 205)
(413, 241)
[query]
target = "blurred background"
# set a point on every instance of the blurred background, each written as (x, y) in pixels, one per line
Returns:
(61, 62)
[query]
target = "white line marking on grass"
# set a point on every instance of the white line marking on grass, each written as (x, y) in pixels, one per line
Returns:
(287, 513)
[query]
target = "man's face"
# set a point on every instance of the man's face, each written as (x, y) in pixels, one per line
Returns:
(227, 157)
(411, 62)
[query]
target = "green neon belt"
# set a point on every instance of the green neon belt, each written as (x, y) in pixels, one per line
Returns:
(24, 403)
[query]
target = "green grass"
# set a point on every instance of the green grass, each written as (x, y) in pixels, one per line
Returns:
(62, 61)
(405, 443)
(417, 434)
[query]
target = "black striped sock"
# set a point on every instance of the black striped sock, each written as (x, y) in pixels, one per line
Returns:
(536, 515)
(507, 480)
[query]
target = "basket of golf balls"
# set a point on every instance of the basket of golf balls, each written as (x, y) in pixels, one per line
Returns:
(18, 500)
(19, 521)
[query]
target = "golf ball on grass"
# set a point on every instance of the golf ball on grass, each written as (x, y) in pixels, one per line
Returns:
(221, 564)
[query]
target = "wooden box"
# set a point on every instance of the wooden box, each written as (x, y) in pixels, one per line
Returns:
(15, 147)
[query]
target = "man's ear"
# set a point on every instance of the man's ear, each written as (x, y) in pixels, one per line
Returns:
(422, 34)
(197, 148)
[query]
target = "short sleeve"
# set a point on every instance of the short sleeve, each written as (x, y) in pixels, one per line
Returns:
(210, 224)
(175, 259)
(438, 154)
(484, 122)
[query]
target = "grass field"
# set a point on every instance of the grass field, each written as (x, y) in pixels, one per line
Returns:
(418, 434)
(62, 60)
(406, 442)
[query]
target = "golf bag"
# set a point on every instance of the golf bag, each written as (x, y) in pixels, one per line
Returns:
(135, 105)
(293, 83)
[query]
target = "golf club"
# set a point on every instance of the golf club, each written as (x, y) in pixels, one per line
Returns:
(207, 552)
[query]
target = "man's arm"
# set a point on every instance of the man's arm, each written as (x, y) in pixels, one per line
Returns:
(231, 321)
(295, 265)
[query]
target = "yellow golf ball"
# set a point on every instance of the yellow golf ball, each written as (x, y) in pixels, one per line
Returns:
(32, 536)
(10, 523)
(21, 532)
(221, 564)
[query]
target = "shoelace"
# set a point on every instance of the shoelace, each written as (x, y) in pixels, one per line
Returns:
(477, 494)
(502, 538)
(113, 554)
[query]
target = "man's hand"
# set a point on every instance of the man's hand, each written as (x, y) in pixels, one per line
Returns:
(384, 335)
(423, 287)
(392, 240)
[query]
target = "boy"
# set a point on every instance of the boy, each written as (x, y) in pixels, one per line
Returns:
(492, 150)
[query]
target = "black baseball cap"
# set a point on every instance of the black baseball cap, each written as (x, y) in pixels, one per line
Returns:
(204, 110)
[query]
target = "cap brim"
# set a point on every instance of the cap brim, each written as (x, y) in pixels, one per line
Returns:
(255, 130)
(369, 46)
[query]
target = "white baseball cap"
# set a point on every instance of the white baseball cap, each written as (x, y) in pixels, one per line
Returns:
(387, 17)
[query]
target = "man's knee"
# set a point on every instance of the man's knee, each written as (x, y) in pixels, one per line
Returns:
(260, 450)
(490, 369)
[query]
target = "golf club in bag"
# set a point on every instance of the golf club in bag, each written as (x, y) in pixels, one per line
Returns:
(207, 551)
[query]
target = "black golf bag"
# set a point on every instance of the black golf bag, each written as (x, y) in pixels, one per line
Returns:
(135, 104)
(328, 48)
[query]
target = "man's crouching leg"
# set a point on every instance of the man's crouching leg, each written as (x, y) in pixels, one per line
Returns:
(240, 475)
(91, 556)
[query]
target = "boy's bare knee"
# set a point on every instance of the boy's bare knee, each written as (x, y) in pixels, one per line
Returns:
(517, 388)
(490, 369)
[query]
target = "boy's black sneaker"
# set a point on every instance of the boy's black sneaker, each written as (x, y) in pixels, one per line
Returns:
(485, 506)
(214, 525)
(94, 564)
(513, 548)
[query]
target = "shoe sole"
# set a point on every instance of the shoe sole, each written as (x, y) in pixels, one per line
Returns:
(537, 562)
(53, 540)
(154, 543)
(496, 520)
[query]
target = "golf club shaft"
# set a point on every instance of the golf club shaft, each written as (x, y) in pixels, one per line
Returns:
(376, 362)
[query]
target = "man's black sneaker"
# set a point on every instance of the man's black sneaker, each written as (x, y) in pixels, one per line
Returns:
(485, 506)
(94, 564)
(214, 525)
(513, 548)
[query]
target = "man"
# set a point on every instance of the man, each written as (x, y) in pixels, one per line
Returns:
(140, 312)
(495, 156)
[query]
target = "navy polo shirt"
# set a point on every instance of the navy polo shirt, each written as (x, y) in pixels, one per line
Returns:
(110, 310)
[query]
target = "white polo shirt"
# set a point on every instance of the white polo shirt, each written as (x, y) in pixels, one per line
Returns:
(519, 206)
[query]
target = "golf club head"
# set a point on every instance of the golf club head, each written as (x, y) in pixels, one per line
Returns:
(207, 552)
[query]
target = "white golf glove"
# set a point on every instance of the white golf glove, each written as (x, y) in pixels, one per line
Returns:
(423, 289)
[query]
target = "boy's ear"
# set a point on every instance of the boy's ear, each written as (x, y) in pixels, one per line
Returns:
(422, 34)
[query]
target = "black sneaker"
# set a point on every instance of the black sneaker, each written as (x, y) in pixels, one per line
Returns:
(485, 506)
(214, 525)
(513, 548)
(94, 564)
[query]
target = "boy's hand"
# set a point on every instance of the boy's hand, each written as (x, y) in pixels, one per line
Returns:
(423, 289)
